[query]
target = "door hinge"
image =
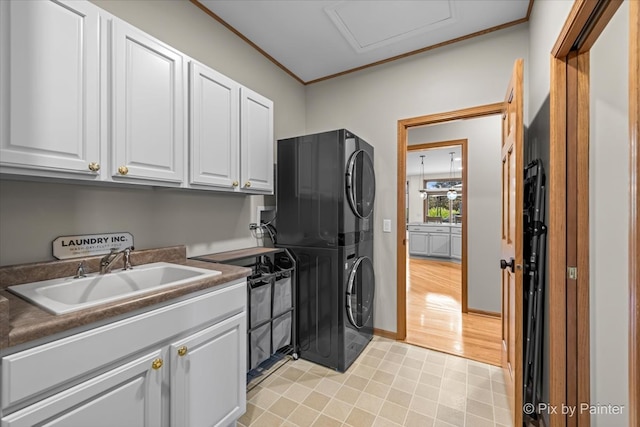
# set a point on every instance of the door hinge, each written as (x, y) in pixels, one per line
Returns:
(572, 273)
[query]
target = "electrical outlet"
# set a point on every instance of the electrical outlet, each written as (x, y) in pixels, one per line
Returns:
(253, 226)
(386, 226)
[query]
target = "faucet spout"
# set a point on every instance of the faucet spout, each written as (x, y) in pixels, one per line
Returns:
(107, 261)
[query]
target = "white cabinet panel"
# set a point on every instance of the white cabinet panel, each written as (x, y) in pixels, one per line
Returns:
(419, 243)
(49, 86)
(439, 244)
(129, 395)
(148, 104)
(456, 246)
(215, 128)
(256, 146)
(208, 375)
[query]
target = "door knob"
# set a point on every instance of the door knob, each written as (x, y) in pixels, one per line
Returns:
(123, 170)
(511, 264)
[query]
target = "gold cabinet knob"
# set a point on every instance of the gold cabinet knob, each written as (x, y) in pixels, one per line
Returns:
(123, 170)
(248, 184)
(234, 183)
(182, 350)
(94, 167)
(157, 364)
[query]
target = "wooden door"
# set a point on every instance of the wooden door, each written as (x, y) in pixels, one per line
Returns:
(512, 236)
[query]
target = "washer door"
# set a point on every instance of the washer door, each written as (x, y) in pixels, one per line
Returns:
(361, 183)
(360, 291)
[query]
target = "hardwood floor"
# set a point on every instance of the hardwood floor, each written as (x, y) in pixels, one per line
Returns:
(435, 319)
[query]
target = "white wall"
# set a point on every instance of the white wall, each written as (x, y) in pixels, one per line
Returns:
(370, 103)
(483, 202)
(546, 21)
(609, 218)
(33, 214)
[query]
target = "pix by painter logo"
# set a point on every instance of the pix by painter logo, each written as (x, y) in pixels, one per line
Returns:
(571, 410)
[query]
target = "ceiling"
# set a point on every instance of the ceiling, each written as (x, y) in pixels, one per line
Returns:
(314, 40)
(436, 161)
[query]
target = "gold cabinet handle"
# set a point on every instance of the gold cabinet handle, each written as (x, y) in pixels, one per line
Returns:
(157, 364)
(248, 184)
(182, 350)
(234, 184)
(94, 167)
(123, 170)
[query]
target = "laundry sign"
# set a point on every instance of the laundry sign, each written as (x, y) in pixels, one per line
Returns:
(65, 247)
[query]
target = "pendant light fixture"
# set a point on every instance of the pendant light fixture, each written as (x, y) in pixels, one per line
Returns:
(451, 194)
(423, 192)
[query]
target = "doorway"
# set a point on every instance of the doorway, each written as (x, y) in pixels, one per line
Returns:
(571, 120)
(471, 331)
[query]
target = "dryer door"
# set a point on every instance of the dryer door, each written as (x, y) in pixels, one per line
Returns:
(361, 183)
(360, 291)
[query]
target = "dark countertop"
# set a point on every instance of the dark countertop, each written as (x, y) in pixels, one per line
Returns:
(22, 321)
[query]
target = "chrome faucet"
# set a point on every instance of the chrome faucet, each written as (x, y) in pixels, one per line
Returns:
(107, 261)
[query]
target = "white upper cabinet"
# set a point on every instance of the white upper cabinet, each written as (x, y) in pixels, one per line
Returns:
(215, 128)
(256, 146)
(148, 107)
(49, 88)
(231, 134)
(85, 95)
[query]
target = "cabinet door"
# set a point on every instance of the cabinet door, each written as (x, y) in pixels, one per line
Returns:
(129, 395)
(215, 128)
(439, 244)
(49, 87)
(148, 107)
(418, 243)
(208, 383)
(456, 246)
(256, 146)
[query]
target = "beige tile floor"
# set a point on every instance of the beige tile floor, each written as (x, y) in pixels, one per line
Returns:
(390, 384)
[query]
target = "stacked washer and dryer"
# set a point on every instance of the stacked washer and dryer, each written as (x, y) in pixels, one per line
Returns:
(325, 194)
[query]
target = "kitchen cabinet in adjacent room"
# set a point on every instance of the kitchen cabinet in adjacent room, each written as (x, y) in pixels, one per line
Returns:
(439, 244)
(456, 246)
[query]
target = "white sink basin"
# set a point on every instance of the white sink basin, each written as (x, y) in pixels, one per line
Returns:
(65, 295)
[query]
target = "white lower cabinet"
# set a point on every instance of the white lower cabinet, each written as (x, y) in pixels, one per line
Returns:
(429, 244)
(456, 246)
(108, 376)
(419, 243)
(129, 395)
(439, 244)
(207, 377)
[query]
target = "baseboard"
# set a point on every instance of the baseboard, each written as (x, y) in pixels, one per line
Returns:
(483, 312)
(384, 334)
